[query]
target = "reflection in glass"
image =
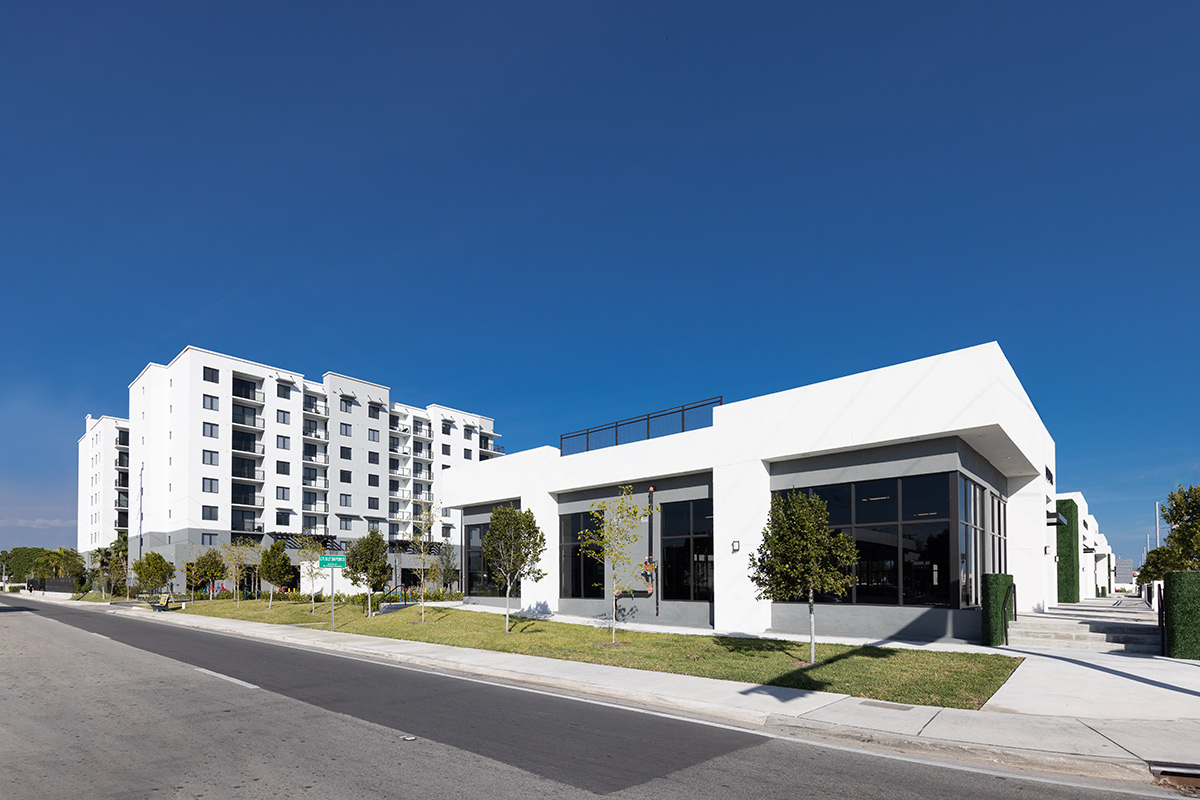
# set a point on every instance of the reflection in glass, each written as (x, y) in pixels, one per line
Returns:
(837, 501)
(877, 564)
(926, 497)
(686, 572)
(875, 501)
(926, 563)
(582, 575)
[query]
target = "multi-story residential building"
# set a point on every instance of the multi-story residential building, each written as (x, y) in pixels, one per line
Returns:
(220, 447)
(103, 482)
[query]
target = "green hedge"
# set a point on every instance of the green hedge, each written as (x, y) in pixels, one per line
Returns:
(1182, 602)
(1068, 552)
(995, 589)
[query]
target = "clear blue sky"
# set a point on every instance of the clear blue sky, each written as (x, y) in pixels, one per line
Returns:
(560, 214)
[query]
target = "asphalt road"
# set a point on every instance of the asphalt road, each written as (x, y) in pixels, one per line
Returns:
(105, 706)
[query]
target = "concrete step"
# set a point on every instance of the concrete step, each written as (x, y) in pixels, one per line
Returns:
(1073, 626)
(1085, 645)
(1084, 636)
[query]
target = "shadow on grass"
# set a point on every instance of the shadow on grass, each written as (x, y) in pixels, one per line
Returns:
(805, 678)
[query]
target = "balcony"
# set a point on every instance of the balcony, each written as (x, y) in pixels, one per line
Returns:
(257, 423)
(403, 430)
(249, 395)
(316, 458)
(122, 503)
(316, 433)
(320, 508)
(123, 441)
(491, 447)
(403, 451)
(424, 455)
(424, 497)
(255, 475)
(399, 516)
(423, 433)
(246, 527)
(254, 449)
(315, 530)
(316, 483)
(316, 409)
(122, 462)
(122, 482)
(249, 502)
(400, 472)
(402, 494)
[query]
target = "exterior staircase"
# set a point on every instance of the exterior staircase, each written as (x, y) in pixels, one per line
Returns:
(1103, 625)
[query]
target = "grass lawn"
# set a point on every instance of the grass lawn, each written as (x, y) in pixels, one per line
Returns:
(922, 677)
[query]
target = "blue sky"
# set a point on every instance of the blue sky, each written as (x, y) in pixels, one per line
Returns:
(560, 214)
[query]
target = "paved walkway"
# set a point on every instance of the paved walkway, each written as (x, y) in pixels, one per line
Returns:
(1096, 714)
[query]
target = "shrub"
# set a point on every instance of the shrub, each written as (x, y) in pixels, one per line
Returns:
(1182, 602)
(994, 590)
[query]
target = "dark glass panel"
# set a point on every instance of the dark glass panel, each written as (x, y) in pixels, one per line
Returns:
(877, 556)
(875, 501)
(676, 519)
(702, 568)
(702, 517)
(927, 573)
(926, 497)
(837, 501)
(676, 564)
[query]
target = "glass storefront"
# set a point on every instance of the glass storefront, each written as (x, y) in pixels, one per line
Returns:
(902, 529)
(581, 574)
(687, 550)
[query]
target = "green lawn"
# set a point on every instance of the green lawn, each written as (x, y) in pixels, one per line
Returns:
(923, 677)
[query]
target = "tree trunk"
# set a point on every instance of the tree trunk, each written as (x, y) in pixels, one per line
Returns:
(613, 626)
(271, 598)
(507, 594)
(812, 630)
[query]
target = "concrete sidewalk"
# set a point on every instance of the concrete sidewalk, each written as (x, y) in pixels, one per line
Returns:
(1099, 715)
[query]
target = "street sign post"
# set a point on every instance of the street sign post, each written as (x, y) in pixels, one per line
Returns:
(332, 563)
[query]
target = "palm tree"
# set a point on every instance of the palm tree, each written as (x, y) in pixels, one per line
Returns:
(120, 552)
(102, 557)
(65, 562)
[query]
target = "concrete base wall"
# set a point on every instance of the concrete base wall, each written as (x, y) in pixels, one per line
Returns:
(641, 609)
(912, 624)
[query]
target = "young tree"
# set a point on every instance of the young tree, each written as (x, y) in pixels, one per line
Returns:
(1182, 513)
(367, 564)
(239, 555)
(153, 571)
(275, 567)
(512, 547)
(311, 550)
(1160, 561)
(209, 568)
(446, 568)
(420, 538)
(616, 526)
(800, 555)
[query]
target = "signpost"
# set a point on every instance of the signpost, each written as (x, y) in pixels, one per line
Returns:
(332, 562)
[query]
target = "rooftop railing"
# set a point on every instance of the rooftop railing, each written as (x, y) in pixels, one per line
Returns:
(637, 429)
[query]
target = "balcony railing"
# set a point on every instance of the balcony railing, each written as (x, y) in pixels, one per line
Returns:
(491, 447)
(401, 429)
(256, 449)
(426, 455)
(316, 458)
(249, 394)
(122, 441)
(123, 462)
(316, 433)
(402, 494)
(424, 433)
(315, 530)
(250, 422)
(122, 503)
(256, 475)
(316, 409)
(424, 497)
(246, 527)
(403, 451)
(401, 472)
(637, 429)
(317, 483)
(399, 516)
(256, 502)
(122, 482)
(322, 508)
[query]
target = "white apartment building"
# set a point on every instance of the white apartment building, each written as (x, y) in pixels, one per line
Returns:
(939, 469)
(220, 446)
(103, 510)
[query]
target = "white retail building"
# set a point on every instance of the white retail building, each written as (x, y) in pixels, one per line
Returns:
(219, 446)
(940, 469)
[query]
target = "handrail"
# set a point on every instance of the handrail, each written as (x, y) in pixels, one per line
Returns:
(581, 441)
(1011, 593)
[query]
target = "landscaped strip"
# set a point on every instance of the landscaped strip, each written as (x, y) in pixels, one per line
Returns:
(920, 677)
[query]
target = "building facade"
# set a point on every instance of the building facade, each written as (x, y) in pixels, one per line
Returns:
(219, 447)
(103, 505)
(939, 469)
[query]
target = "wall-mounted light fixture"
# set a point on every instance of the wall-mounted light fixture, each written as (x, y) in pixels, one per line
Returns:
(736, 545)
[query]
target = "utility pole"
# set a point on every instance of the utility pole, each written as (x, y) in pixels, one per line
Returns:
(1157, 517)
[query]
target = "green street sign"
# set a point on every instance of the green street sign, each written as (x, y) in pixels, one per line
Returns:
(332, 561)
